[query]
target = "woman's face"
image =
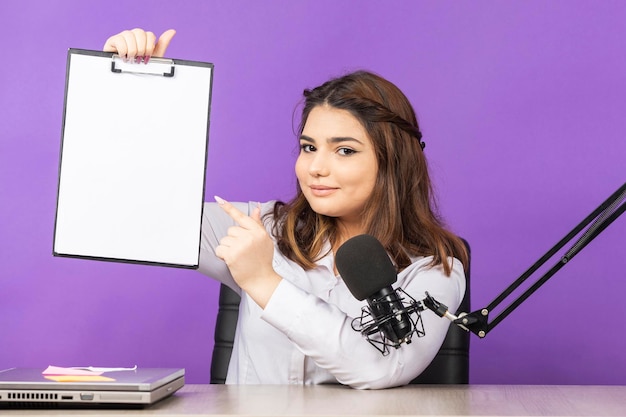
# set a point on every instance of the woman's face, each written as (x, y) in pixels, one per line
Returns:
(337, 167)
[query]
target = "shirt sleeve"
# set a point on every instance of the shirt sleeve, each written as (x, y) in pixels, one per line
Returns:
(323, 332)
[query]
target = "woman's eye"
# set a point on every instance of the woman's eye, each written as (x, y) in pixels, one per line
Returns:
(305, 147)
(346, 151)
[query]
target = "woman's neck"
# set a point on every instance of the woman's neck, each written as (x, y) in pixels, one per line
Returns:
(345, 231)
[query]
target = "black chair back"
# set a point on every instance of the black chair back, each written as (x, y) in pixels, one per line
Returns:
(451, 364)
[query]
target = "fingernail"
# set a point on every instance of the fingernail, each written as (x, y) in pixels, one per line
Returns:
(138, 59)
(219, 200)
(146, 59)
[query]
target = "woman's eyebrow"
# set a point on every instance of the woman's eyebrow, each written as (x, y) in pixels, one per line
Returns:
(340, 139)
(336, 139)
(307, 138)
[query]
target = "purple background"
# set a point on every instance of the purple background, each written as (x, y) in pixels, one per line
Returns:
(522, 105)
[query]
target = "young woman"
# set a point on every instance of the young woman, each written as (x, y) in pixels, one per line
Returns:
(361, 169)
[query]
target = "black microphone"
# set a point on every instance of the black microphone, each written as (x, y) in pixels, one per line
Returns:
(368, 272)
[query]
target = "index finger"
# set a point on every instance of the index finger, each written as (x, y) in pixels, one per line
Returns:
(117, 44)
(242, 219)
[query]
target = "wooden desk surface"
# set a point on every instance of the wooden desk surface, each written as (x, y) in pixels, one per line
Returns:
(457, 400)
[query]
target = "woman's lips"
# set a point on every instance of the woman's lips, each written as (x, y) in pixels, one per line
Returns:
(321, 190)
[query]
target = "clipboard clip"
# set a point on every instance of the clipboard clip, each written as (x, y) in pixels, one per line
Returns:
(157, 66)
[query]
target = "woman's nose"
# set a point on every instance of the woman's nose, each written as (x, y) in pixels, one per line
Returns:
(319, 166)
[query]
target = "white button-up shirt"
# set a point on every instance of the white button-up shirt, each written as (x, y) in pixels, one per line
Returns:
(304, 335)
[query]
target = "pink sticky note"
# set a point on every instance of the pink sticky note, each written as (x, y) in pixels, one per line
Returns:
(57, 370)
(79, 378)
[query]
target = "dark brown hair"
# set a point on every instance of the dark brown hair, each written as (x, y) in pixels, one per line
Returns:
(401, 212)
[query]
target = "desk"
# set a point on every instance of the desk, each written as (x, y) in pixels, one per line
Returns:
(457, 400)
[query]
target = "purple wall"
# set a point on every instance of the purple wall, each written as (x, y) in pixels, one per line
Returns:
(522, 105)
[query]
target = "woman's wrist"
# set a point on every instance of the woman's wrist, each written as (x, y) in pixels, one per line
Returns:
(262, 288)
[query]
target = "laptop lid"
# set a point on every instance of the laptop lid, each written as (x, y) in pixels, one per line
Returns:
(143, 386)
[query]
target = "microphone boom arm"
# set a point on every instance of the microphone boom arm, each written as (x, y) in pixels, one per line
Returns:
(478, 321)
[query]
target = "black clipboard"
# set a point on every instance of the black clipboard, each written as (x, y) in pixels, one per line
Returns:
(133, 159)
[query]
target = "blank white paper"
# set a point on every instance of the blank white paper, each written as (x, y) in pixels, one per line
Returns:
(133, 161)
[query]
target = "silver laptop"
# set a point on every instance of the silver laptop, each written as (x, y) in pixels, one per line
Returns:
(25, 387)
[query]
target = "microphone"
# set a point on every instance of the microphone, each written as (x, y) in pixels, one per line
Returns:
(368, 272)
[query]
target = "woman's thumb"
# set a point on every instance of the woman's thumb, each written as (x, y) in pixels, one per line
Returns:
(163, 43)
